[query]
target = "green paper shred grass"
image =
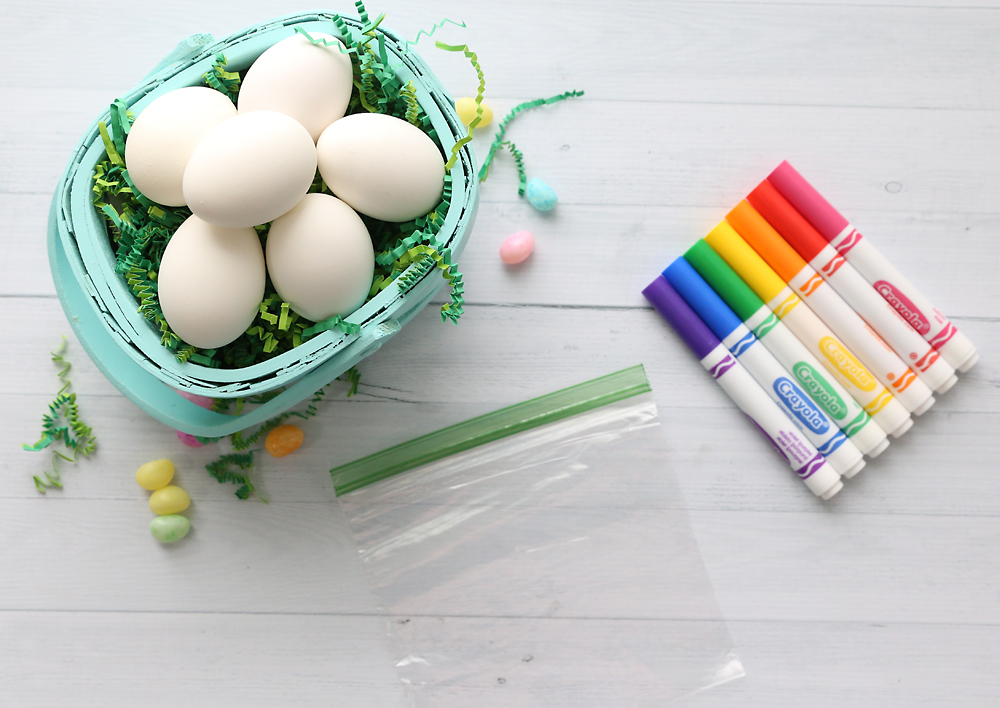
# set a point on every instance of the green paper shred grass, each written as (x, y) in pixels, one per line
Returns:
(236, 468)
(62, 424)
(140, 229)
(227, 82)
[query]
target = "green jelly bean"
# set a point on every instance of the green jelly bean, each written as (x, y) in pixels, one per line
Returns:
(169, 528)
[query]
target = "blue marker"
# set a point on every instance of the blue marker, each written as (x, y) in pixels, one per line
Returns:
(809, 465)
(842, 454)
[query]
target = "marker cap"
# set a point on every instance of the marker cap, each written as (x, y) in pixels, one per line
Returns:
(810, 203)
(745, 261)
(682, 318)
(786, 221)
(763, 238)
(702, 299)
(723, 280)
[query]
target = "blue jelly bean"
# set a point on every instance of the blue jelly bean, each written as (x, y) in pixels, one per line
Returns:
(540, 195)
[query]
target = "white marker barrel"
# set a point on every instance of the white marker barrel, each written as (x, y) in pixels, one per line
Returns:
(840, 361)
(861, 339)
(824, 389)
(911, 304)
(912, 348)
(829, 440)
(802, 456)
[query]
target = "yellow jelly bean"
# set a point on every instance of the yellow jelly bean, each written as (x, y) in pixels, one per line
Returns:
(466, 109)
(155, 475)
(169, 500)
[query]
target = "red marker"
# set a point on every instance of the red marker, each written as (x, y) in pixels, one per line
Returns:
(833, 267)
(909, 302)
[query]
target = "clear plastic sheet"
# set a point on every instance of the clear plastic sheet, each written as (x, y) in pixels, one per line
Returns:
(555, 563)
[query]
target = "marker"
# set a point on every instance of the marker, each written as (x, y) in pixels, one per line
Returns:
(912, 348)
(899, 378)
(884, 409)
(810, 375)
(909, 302)
(807, 463)
(829, 440)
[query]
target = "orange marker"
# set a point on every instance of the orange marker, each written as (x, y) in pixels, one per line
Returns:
(804, 281)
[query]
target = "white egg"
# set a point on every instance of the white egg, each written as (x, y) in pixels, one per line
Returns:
(320, 258)
(249, 170)
(311, 83)
(211, 282)
(382, 166)
(165, 134)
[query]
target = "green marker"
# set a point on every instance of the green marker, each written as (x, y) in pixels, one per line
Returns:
(824, 390)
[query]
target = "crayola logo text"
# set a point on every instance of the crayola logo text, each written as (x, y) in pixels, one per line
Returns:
(846, 365)
(820, 391)
(801, 407)
(904, 306)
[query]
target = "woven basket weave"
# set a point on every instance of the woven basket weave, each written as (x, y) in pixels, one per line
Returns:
(126, 346)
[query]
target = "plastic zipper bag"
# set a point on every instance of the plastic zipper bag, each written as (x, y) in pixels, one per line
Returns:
(540, 552)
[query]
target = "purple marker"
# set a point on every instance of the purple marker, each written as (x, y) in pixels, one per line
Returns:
(808, 464)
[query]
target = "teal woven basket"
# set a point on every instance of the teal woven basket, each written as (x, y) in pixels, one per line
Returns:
(126, 346)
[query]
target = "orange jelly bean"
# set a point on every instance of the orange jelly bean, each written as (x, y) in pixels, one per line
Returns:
(284, 440)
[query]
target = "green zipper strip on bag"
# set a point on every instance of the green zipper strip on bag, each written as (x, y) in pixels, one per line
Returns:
(492, 426)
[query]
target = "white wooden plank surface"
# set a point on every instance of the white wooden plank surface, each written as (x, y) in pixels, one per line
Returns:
(886, 596)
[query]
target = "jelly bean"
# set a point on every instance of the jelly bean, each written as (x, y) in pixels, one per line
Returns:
(540, 195)
(169, 528)
(284, 440)
(516, 247)
(169, 500)
(189, 440)
(155, 475)
(466, 109)
(203, 401)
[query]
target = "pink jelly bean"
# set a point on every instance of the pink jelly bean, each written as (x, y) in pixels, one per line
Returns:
(516, 247)
(189, 440)
(203, 401)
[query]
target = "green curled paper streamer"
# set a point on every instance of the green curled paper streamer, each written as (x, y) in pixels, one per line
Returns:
(498, 139)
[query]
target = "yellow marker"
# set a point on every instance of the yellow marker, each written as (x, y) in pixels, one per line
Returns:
(880, 404)
(745, 261)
